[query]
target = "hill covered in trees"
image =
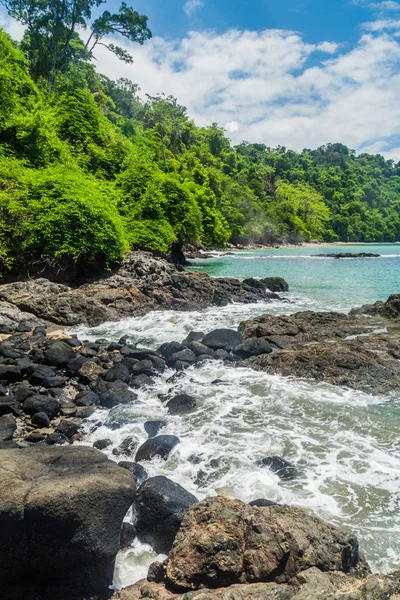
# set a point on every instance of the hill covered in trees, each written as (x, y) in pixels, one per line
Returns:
(88, 170)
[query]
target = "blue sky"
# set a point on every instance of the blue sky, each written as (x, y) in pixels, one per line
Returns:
(299, 73)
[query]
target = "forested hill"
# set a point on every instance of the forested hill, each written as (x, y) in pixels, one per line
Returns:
(88, 171)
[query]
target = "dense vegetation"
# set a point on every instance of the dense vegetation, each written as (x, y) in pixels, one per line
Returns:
(88, 170)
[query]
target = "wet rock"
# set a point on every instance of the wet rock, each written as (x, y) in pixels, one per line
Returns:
(253, 545)
(389, 309)
(222, 339)
(75, 364)
(156, 572)
(7, 428)
(86, 398)
(127, 535)
(160, 505)
(160, 446)
(10, 373)
(102, 444)
(117, 372)
(22, 391)
(40, 419)
(140, 381)
(59, 354)
(137, 470)
(199, 349)
(57, 439)
(68, 408)
(84, 412)
(276, 284)
(153, 427)
(143, 367)
(349, 255)
(35, 437)
(285, 469)
(181, 403)
(68, 428)
(253, 347)
(169, 348)
(184, 356)
(9, 406)
(38, 403)
(127, 447)
(90, 371)
(61, 511)
(263, 502)
(193, 336)
(114, 397)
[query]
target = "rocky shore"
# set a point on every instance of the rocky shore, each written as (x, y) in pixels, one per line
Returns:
(62, 504)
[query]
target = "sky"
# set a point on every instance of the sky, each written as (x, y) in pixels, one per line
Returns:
(295, 73)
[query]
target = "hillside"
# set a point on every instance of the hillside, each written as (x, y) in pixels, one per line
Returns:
(89, 171)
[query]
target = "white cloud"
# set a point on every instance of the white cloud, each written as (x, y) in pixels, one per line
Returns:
(382, 24)
(192, 6)
(15, 29)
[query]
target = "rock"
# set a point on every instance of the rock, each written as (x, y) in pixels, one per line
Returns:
(198, 348)
(127, 447)
(182, 403)
(349, 255)
(153, 427)
(57, 439)
(184, 356)
(127, 535)
(389, 309)
(169, 348)
(35, 437)
(222, 542)
(160, 505)
(140, 381)
(37, 403)
(285, 469)
(9, 406)
(7, 428)
(90, 371)
(115, 397)
(222, 339)
(86, 398)
(67, 427)
(276, 284)
(22, 391)
(253, 347)
(117, 372)
(156, 572)
(263, 502)
(76, 363)
(143, 367)
(84, 412)
(59, 354)
(10, 373)
(61, 511)
(193, 336)
(160, 446)
(102, 444)
(40, 419)
(137, 470)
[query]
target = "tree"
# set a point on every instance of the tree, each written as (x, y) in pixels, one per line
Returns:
(167, 116)
(52, 36)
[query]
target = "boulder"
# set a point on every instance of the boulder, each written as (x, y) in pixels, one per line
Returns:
(160, 505)
(7, 428)
(182, 403)
(285, 469)
(139, 381)
(61, 511)
(68, 428)
(222, 339)
(9, 406)
(137, 470)
(114, 397)
(153, 427)
(59, 354)
(222, 542)
(102, 444)
(263, 502)
(38, 403)
(40, 419)
(127, 535)
(198, 348)
(185, 355)
(90, 371)
(169, 348)
(127, 447)
(276, 284)
(160, 446)
(86, 399)
(117, 372)
(253, 347)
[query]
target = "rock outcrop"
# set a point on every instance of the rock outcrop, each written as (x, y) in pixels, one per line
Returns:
(142, 283)
(61, 511)
(228, 550)
(389, 309)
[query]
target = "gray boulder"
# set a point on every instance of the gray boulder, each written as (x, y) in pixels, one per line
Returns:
(222, 339)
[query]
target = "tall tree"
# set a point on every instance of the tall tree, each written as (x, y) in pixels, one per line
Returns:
(52, 36)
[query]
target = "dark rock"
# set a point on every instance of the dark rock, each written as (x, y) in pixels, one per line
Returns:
(156, 572)
(158, 363)
(193, 336)
(169, 348)
(349, 255)
(114, 397)
(222, 339)
(182, 403)
(253, 545)
(73, 342)
(38, 403)
(40, 419)
(185, 355)
(9, 406)
(117, 372)
(10, 373)
(276, 284)
(127, 447)
(35, 437)
(153, 427)
(160, 505)
(127, 535)
(141, 353)
(253, 347)
(75, 364)
(22, 391)
(102, 444)
(143, 367)
(59, 354)
(67, 408)
(181, 365)
(61, 511)
(86, 398)
(7, 428)
(160, 446)
(137, 470)
(45, 376)
(3, 390)
(67, 427)
(140, 381)
(198, 348)
(221, 354)
(117, 385)
(263, 502)
(23, 328)
(84, 412)
(57, 439)
(285, 469)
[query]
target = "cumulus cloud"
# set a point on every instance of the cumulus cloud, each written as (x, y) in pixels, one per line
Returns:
(192, 6)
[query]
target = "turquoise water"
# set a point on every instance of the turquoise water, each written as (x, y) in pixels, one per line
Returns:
(329, 284)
